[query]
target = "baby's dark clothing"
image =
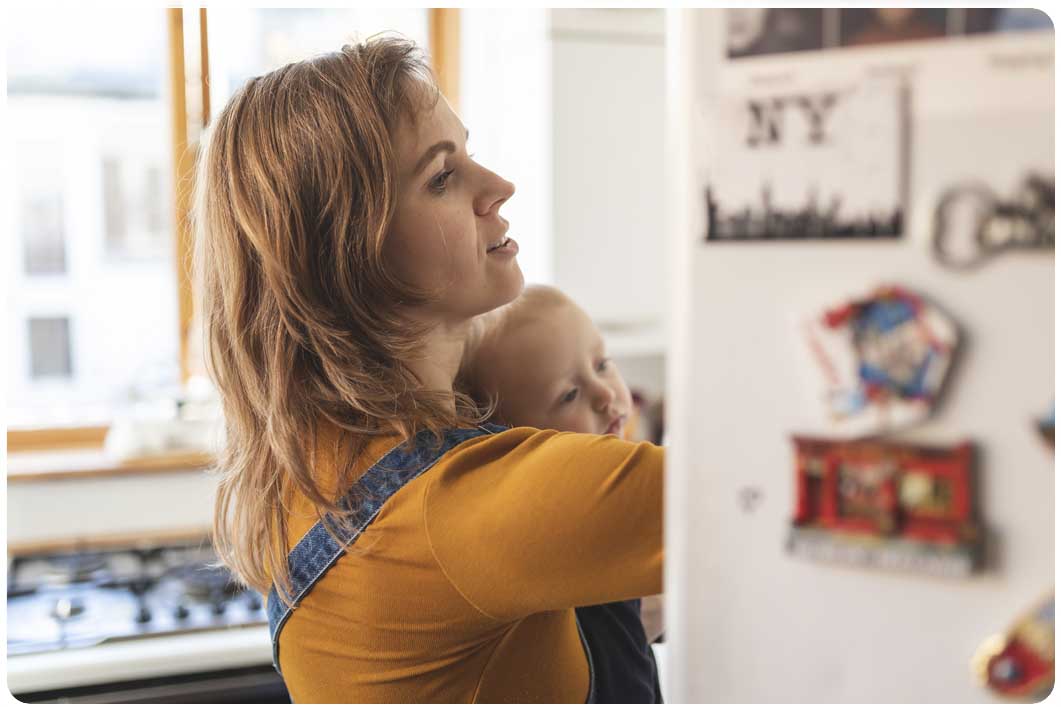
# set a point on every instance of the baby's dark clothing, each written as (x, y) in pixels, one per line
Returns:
(623, 659)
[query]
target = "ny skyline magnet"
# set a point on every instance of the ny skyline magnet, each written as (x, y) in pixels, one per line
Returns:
(880, 360)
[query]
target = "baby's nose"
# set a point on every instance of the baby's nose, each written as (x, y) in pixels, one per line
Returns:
(604, 398)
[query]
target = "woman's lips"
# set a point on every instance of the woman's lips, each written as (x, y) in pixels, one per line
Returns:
(508, 247)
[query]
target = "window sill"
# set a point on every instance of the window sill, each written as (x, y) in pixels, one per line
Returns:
(89, 463)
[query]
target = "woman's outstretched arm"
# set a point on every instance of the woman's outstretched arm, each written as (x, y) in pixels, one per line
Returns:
(529, 520)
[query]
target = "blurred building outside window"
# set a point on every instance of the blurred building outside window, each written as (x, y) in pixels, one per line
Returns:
(80, 91)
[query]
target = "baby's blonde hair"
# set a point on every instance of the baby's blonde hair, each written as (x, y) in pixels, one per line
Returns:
(490, 328)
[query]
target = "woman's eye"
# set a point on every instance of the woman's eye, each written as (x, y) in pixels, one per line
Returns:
(603, 365)
(569, 396)
(438, 183)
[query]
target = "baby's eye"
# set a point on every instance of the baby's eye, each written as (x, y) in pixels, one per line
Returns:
(603, 365)
(569, 396)
(438, 182)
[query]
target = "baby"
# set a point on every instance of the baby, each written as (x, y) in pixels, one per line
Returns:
(542, 362)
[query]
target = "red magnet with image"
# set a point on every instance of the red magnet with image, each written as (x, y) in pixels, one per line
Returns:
(889, 505)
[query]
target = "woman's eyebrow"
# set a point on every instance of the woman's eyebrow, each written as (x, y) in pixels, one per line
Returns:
(440, 146)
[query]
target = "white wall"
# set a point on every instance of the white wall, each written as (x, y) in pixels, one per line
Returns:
(506, 102)
(568, 105)
(746, 621)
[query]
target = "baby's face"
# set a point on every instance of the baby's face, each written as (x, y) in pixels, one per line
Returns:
(553, 373)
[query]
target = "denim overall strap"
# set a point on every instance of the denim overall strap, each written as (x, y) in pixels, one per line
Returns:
(318, 550)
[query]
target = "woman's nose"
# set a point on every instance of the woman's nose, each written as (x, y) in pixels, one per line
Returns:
(496, 191)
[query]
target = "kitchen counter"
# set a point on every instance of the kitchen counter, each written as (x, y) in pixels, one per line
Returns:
(139, 658)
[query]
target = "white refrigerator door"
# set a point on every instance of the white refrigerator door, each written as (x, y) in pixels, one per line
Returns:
(746, 621)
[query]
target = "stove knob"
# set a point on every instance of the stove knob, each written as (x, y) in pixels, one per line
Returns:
(181, 612)
(254, 603)
(143, 615)
(66, 609)
(219, 608)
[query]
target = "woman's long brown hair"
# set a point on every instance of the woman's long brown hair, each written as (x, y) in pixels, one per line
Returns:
(295, 191)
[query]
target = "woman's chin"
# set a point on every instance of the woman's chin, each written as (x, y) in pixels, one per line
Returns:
(512, 286)
(519, 282)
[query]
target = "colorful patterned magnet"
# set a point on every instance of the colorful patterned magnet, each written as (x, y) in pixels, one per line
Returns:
(886, 505)
(881, 359)
(1020, 664)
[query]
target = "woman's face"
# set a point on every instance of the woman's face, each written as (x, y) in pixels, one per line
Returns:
(447, 235)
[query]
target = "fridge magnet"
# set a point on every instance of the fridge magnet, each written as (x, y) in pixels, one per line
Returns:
(972, 224)
(755, 31)
(1045, 427)
(886, 25)
(886, 505)
(1009, 19)
(881, 360)
(1020, 663)
(827, 162)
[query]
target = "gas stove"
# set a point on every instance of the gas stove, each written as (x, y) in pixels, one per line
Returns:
(160, 623)
(73, 600)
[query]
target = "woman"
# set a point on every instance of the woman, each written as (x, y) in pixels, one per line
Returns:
(345, 241)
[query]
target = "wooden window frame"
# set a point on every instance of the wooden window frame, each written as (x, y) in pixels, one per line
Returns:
(444, 51)
(444, 24)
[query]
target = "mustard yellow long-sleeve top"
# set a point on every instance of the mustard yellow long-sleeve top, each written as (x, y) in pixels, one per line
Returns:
(464, 586)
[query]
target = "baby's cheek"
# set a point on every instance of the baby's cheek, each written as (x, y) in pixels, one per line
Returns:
(574, 421)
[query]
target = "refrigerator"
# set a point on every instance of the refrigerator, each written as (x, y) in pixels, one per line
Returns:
(860, 476)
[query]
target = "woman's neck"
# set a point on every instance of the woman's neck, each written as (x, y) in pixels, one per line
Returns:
(437, 363)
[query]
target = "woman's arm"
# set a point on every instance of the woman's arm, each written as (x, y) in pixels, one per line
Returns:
(529, 520)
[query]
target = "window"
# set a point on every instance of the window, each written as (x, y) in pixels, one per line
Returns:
(93, 129)
(39, 204)
(89, 126)
(42, 233)
(49, 343)
(133, 195)
(247, 42)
